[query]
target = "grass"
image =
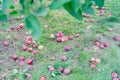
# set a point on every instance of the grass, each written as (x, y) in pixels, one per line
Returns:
(60, 20)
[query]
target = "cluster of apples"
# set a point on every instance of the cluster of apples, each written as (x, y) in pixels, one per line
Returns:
(18, 28)
(94, 62)
(31, 46)
(21, 60)
(61, 37)
(114, 76)
(65, 71)
(101, 45)
(101, 12)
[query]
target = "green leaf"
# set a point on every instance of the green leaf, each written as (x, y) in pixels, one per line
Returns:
(99, 3)
(77, 14)
(22, 3)
(12, 6)
(57, 4)
(76, 4)
(13, 13)
(0, 2)
(3, 17)
(41, 11)
(6, 4)
(32, 23)
(87, 9)
(88, 2)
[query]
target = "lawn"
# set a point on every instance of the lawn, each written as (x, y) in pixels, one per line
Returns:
(104, 30)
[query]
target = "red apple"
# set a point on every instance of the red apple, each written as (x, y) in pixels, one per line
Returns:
(22, 58)
(93, 66)
(14, 57)
(96, 43)
(67, 71)
(115, 79)
(114, 74)
(101, 46)
(51, 69)
(28, 42)
(77, 35)
(24, 48)
(61, 69)
(11, 28)
(34, 46)
(91, 20)
(117, 38)
(106, 44)
(29, 61)
(67, 48)
(42, 78)
(59, 39)
(63, 58)
(28, 76)
(30, 49)
(29, 38)
(70, 37)
(35, 52)
(6, 43)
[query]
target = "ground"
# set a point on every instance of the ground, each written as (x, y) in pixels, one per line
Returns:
(103, 29)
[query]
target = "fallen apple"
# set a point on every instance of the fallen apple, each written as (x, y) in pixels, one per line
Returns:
(67, 71)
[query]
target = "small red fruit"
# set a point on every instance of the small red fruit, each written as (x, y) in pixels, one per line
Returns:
(22, 58)
(114, 74)
(34, 46)
(91, 20)
(61, 69)
(67, 48)
(24, 48)
(59, 39)
(70, 37)
(35, 52)
(6, 43)
(30, 49)
(14, 57)
(11, 28)
(96, 43)
(77, 35)
(29, 38)
(117, 38)
(42, 78)
(101, 46)
(93, 66)
(106, 44)
(67, 71)
(29, 61)
(115, 79)
(63, 58)
(28, 76)
(28, 42)
(51, 69)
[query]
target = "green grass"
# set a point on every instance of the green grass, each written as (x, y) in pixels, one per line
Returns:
(60, 20)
